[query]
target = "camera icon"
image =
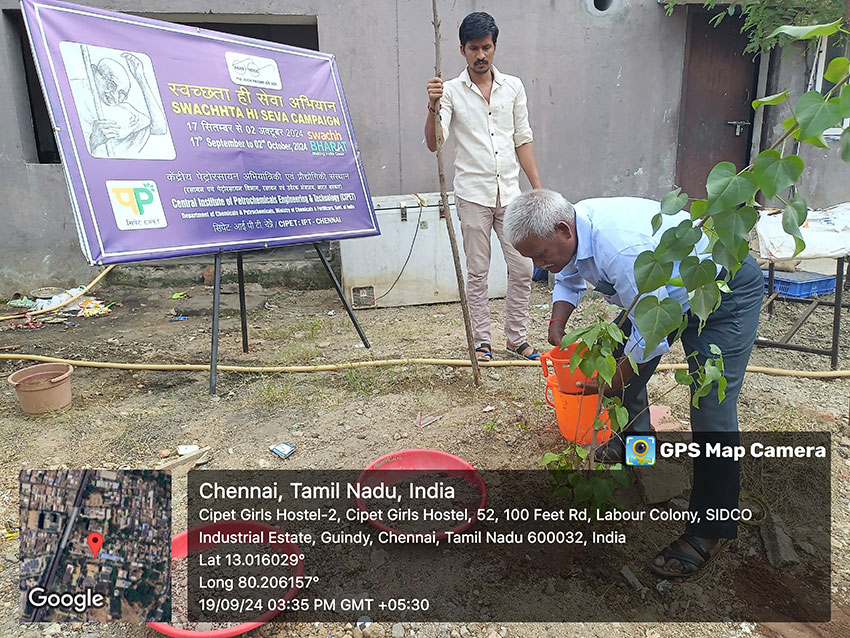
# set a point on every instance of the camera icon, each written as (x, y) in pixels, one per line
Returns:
(640, 449)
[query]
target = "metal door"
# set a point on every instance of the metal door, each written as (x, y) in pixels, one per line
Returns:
(715, 119)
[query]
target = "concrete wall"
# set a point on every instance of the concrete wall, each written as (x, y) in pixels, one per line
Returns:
(826, 178)
(603, 88)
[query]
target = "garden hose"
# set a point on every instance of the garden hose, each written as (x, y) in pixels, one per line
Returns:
(166, 367)
(333, 367)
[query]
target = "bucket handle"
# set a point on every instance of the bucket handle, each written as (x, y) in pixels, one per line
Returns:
(548, 389)
(63, 376)
(544, 358)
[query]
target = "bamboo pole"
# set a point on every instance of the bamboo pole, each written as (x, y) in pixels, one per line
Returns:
(464, 304)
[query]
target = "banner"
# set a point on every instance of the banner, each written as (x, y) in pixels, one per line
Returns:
(180, 141)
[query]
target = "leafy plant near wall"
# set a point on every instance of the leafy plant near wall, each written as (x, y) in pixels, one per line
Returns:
(762, 20)
(726, 216)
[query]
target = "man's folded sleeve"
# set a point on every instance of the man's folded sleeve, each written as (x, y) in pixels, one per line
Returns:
(522, 129)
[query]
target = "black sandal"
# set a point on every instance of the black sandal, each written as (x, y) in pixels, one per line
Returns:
(518, 352)
(485, 348)
(690, 564)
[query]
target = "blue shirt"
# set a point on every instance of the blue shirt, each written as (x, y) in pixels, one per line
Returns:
(611, 233)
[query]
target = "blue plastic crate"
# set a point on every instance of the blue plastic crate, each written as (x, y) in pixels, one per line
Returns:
(801, 284)
(540, 274)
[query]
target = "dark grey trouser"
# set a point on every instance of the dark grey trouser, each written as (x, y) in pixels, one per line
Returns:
(732, 328)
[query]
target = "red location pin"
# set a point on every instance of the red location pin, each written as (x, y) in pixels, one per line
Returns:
(95, 542)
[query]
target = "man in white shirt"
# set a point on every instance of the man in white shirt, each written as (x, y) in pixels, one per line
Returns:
(486, 112)
(598, 241)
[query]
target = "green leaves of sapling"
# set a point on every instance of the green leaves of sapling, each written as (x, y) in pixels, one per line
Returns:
(705, 300)
(673, 202)
(732, 227)
(657, 318)
(678, 242)
(815, 115)
(837, 70)
(776, 98)
(696, 273)
(650, 272)
(727, 189)
(792, 218)
(775, 173)
(698, 208)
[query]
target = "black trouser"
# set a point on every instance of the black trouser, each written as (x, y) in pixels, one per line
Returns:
(732, 328)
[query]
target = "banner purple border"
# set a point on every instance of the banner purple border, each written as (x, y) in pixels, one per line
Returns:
(126, 206)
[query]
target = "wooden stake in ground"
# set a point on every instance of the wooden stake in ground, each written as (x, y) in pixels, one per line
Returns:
(476, 371)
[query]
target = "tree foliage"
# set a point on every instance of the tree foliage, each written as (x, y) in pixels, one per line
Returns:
(762, 20)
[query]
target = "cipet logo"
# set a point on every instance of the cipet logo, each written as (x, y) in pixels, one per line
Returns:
(136, 204)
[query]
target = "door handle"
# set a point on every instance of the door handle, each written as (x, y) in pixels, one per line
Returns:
(739, 124)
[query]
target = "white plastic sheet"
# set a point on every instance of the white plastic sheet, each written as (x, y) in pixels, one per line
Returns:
(826, 233)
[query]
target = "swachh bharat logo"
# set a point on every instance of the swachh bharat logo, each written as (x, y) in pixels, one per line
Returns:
(136, 204)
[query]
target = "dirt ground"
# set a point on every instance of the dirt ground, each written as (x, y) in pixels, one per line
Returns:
(346, 419)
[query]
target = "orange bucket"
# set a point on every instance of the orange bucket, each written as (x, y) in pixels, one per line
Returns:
(575, 414)
(560, 360)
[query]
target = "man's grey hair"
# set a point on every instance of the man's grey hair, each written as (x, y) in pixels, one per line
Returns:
(536, 214)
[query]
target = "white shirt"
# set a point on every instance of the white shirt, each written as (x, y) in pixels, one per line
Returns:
(486, 136)
(612, 232)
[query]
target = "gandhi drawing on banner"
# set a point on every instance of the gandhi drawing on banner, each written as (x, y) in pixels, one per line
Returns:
(120, 111)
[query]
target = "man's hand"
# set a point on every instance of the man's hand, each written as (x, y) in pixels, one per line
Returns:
(556, 332)
(561, 311)
(622, 376)
(134, 64)
(435, 91)
(102, 131)
(588, 387)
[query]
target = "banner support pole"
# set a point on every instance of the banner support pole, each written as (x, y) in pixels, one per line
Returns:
(216, 308)
(243, 315)
(342, 298)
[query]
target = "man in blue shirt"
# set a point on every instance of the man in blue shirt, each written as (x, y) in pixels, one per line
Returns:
(597, 241)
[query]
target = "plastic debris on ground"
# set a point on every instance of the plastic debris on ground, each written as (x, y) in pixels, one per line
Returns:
(424, 421)
(46, 292)
(29, 322)
(180, 318)
(82, 307)
(183, 450)
(283, 450)
(92, 308)
(662, 586)
(52, 302)
(21, 302)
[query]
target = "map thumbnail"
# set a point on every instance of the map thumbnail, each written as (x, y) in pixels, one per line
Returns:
(65, 576)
